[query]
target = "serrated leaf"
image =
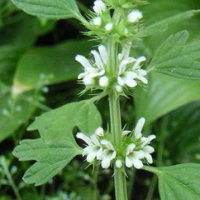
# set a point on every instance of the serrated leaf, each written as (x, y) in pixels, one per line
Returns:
(163, 25)
(58, 64)
(178, 182)
(164, 94)
(50, 9)
(175, 58)
(57, 146)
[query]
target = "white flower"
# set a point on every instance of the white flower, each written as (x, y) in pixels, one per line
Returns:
(99, 7)
(140, 150)
(93, 149)
(94, 69)
(97, 21)
(133, 158)
(109, 27)
(108, 154)
(134, 16)
(99, 131)
(129, 76)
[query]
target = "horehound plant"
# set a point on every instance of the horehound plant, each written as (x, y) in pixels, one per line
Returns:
(113, 72)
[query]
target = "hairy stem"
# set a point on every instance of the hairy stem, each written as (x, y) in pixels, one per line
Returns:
(115, 120)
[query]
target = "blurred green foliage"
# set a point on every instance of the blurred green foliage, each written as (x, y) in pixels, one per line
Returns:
(38, 73)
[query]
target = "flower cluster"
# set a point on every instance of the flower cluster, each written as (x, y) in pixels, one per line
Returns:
(136, 149)
(130, 72)
(95, 75)
(139, 149)
(98, 148)
(103, 24)
(94, 71)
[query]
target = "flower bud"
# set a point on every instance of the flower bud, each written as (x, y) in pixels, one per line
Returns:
(104, 81)
(118, 163)
(109, 27)
(134, 16)
(97, 21)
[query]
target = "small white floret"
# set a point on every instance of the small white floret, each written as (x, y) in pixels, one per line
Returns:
(118, 163)
(134, 16)
(109, 27)
(104, 81)
(99, 7)
(97, 21)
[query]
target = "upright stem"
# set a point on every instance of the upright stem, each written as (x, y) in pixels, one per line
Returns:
(115, 120)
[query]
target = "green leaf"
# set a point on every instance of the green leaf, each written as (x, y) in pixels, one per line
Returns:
(13, 114)
(163, 25)
(175, 58)
(164, 94)
(50, 9)
(178, 182)
(58, 64)
(57, 146)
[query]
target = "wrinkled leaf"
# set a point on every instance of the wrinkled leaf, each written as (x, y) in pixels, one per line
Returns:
(51, 9)
(175, 58)
(57, 146)
(178, 182)
(163, 25)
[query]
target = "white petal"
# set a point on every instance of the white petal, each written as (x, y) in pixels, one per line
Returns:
(98, 60)
(87, 150)
(149, 158)
(134, 16)
(99, 131)
(100, 154)
(95, 140)
(105, 163)
(124, 63)
(104, 81)
(142, 79)
(131, 83)
(138, 62)
(128, 162)
(139, 154)
(83, 61)
(126, 50)
(103, 53)
(124, 133)
(130, 148)
(88, 80)
(90, 158)
(120, 81)
(82, 75)
(148, 149)
(99, 7)
(139, 127)
(108, 144)
(137, 164)
(84, 138)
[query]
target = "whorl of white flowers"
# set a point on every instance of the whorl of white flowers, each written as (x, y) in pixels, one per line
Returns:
(98, 148)
(94, 71)
(139, 150)
(130, 71)
(136, 150)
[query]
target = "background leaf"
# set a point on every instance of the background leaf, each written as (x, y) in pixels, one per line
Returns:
(164, 94)
(51, 9)
(56, 64)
